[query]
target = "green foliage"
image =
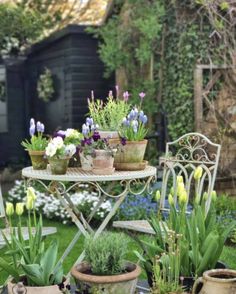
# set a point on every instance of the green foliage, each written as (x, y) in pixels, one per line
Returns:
(106, 253)
(108, 116)
(45, 86)
(36, 143)
(18, 28)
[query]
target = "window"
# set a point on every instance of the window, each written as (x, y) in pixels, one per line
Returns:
(3, 100)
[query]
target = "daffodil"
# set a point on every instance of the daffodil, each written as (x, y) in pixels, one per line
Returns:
(198, 173)
(183, 197)
(158, 195)
(9, 209)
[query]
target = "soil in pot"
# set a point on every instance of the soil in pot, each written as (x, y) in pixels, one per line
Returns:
(124, 283)
(38, 159)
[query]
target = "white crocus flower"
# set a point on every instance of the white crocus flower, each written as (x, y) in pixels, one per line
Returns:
(58, 142)
(51, 150)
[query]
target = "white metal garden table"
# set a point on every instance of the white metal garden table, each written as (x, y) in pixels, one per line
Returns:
(133, 182)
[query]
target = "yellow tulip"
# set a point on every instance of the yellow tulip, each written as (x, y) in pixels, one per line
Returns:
(213, 196)
(183, 197)
(158, 195)
(180, 188)
(171, 199)
(198, 173)
(19, 208)
(172, 192)
(9, 209)
(180, 179)
(31, 193)
(30, 203)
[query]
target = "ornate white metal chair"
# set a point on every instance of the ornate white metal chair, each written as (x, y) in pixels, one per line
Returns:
(45, 231)
(182, 157)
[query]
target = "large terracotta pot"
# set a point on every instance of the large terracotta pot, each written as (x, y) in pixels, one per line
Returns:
(103, 162)
(132, 153)
(13, 288)
(58, 166)
(116, 284)
(38, 159)
(86, 162)
(222, 281)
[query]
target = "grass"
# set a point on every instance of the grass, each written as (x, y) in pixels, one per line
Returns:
(65, 233)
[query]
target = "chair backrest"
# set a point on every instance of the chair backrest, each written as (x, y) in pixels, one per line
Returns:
(182, 157)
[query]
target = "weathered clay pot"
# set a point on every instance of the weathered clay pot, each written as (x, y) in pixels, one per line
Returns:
(103, 162)
(58, 166)
(132, 152)
(13, 288)
(222, 281)
(38, 159)
(109, 134)
(118, 284)
(86, 162)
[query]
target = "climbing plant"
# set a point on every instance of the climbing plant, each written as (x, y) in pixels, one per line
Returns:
(155, 45)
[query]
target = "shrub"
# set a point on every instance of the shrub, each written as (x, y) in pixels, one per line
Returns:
(106, 253)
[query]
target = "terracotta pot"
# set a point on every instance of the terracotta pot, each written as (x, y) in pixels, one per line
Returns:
(86, 162)
(58, 166)
(13, 288)
(38, 159)
(132, 152)
(118, 284)
(222, 281)
(103, 162)
(109, 134)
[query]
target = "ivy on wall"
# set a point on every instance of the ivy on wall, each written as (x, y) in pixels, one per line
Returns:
(154, 45)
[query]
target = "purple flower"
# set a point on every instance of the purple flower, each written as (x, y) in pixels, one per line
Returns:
(144, 119)
(89, 121)
(86, 141)
(32, 130)
(85, 129)
(126, 96)
(123, 141)
(125, 122)
(117, 91)
(60, 133)
(142, 95)
(110, 94)
(32, 122)
(96, 136)
(40, 127)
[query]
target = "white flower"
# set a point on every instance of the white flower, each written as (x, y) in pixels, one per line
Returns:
(51, 150)
(70, 150)
(58, 142)
(71, 133)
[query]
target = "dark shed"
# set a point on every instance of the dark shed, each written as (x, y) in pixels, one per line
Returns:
(71, 55)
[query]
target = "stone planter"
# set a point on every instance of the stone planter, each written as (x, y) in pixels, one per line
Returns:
(13, 288)
(58, 166)
(131, 156)
(117, 284)
(38, 159)
(103, 162)
(86, 162)
(222, 281)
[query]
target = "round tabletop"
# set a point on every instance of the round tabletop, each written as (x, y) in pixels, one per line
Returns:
(78, 175)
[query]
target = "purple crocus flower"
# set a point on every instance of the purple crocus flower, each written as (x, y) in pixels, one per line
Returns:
(32, 122)
(89, 121)
(61, 134)
(85, 129)
(87, 141)
(40, 127)
(142, 95)
(96, 136)
(126, 96)
(32, 130)
(144, 119)
(126, 122)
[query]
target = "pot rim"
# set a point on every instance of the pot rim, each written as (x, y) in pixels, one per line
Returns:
(36, 152)
(64, 158)
(11, 282)
(136, 142)
(208, 275)
(106, 279)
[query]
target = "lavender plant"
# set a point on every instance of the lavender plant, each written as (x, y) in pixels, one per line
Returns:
(38, 141)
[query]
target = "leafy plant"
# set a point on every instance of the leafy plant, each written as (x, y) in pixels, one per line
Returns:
(108, 116)
(45, 86)
(37, 142)
(30, 260)
(106, 253)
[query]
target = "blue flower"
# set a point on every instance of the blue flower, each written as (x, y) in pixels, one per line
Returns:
(32, 130)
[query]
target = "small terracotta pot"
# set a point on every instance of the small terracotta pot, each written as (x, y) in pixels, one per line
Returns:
(222, 281)
(58, 166)
(13, 288)
(38, 159)
(132, 152)
(103, 162)
(86, 162)
(118, 284)
(109, 134)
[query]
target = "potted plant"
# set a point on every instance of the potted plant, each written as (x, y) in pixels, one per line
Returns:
(104, 269)
(36, 145)
(202, 239)
(59, 154)
(30, 264)
(109, 115)
(132, 132)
